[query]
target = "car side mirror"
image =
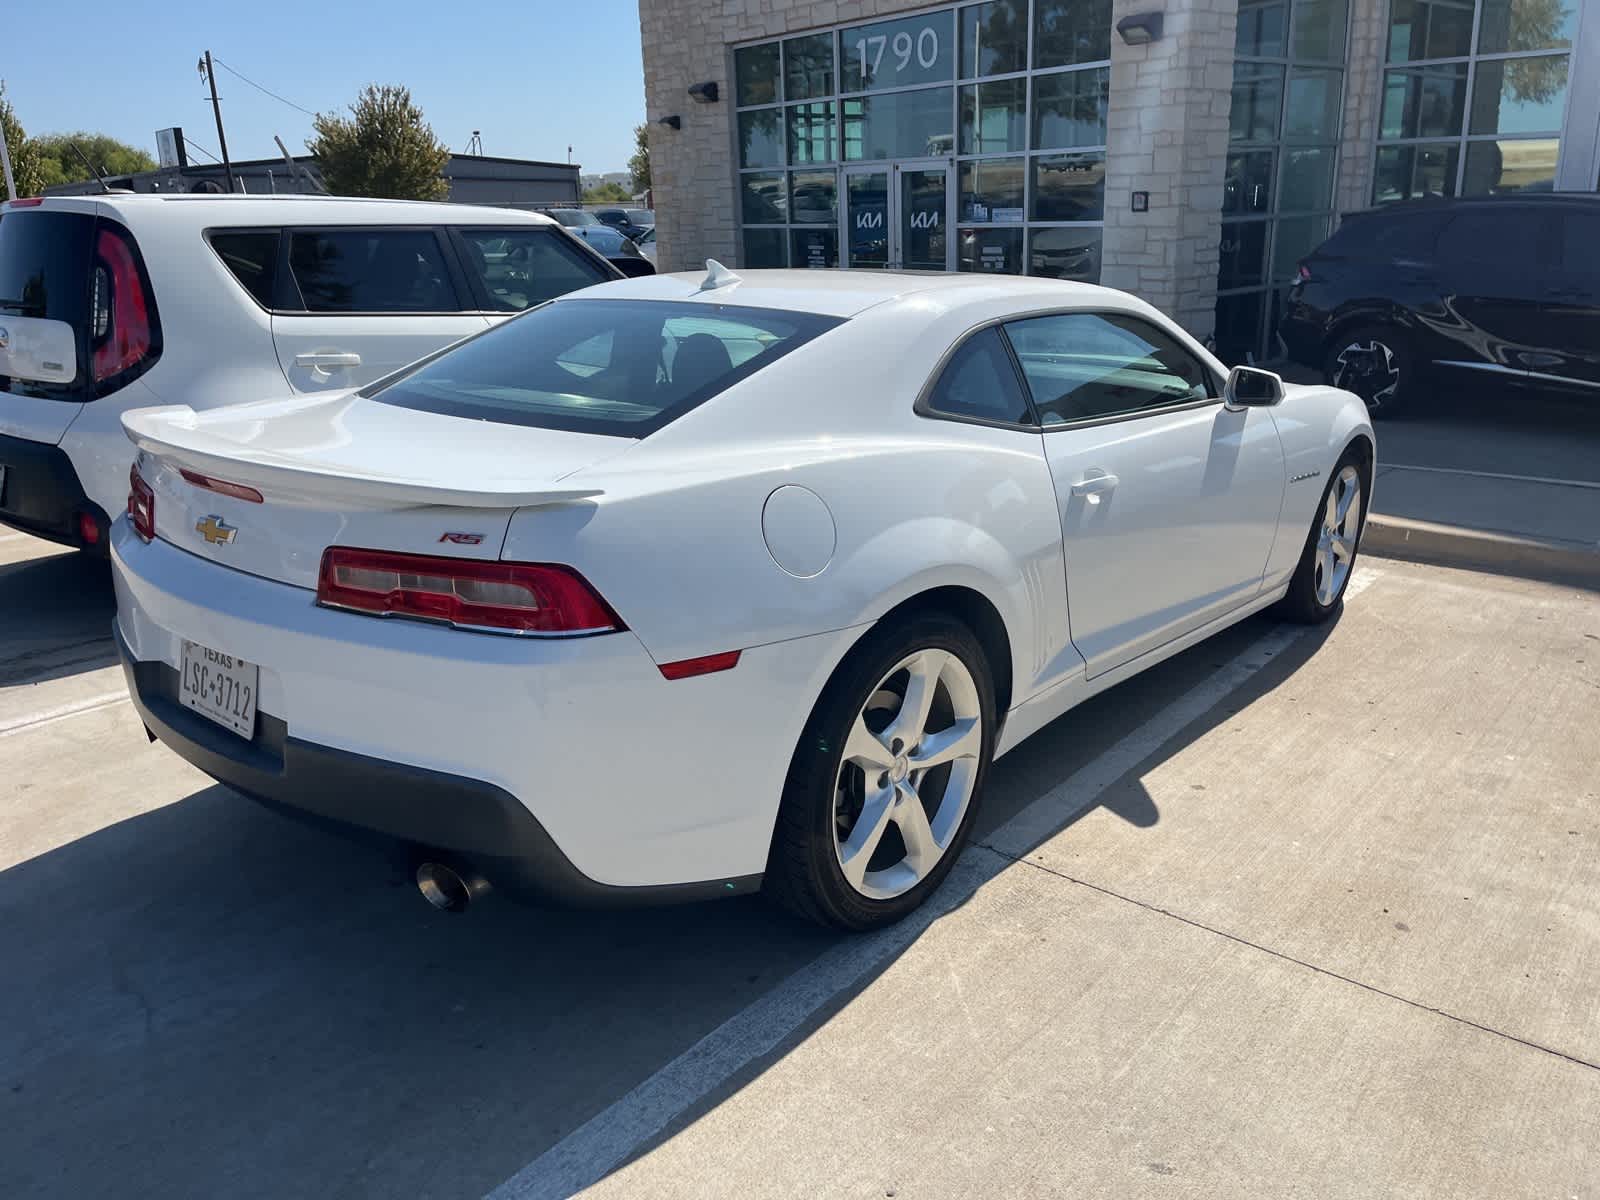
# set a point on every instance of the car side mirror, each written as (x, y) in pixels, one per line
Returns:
(1251, 387)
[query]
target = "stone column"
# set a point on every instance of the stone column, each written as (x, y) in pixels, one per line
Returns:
(1363, 97)
(1167, 134)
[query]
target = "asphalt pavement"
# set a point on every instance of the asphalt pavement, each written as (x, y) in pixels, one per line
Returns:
(1296, 913)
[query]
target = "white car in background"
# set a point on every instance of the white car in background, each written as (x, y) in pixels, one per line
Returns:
(121, 301)
(681, 587)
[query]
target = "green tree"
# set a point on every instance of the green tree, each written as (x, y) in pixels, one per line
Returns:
(607, 193)
(384, 148)
(62, 165)
(639, 164)
(26, 161)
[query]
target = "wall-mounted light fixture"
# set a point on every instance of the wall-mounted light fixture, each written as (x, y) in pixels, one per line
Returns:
(1140, 29)
(704, 93)
(673, 122)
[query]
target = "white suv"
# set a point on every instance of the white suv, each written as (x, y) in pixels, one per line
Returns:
(114, 302)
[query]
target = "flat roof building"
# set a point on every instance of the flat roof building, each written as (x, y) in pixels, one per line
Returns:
(1191, 154)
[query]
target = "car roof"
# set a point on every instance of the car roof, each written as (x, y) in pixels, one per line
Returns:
(1441, 204)
(839, 293)
(205, 209)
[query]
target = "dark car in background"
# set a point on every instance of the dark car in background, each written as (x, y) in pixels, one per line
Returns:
(618, 250)
(631, 223)
(1504, 289)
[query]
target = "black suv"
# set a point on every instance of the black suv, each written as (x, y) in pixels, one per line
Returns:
(1504, 289)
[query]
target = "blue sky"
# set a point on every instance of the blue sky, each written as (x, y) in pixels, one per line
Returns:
(533, 76)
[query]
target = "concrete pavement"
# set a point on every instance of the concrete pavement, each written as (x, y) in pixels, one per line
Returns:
(1304, 914)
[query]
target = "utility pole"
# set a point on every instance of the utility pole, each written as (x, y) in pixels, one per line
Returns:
(216, 109)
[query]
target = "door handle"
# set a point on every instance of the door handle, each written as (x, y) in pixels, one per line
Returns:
(327, 362)
(1094, 485)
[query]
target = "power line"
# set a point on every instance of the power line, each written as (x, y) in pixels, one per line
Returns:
(193, 145)
(259, 88)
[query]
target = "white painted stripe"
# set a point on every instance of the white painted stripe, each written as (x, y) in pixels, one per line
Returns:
(590, 1152)
(1577, 483)
(60, 713)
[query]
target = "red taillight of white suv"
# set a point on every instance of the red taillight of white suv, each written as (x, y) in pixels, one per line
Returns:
(497, 597)
(141, 505)
(120, 329)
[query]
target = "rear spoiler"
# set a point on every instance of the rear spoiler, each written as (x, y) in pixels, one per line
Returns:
(177, 433)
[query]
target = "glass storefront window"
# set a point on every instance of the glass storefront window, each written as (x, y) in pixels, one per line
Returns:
(991, 190)
(761, 198)
(766, 248)
(760, 138)
(808, 67)
(1410, 172)
(755, 71)
(1307, 183)
(1519, 95)
(814, 248)
(1069, 108)
(1257, 102)
(811, 133)
(1319, 29)
(1312, 113)
(994, 117)
(900, 53)
(1238, 334)
(1069, 32)
(1520, 25)
(899, 125)
(994, 38)
(1069, 187)
(1295, 238)
(1421, 102)
(1247, 182)
(1069, 253)
(1260, 29)
(1420, 29)
(1243, 254)
(813, 197)
(1510, 165)
(998, 251)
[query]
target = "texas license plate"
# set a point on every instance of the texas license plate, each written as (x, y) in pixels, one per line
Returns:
(221, 687)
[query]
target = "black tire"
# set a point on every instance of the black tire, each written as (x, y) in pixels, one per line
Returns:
(803, 871)
(1374, 362)
(1300, 602)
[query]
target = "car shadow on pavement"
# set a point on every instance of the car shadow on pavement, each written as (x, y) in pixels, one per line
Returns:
(55, 618)
(213, 999)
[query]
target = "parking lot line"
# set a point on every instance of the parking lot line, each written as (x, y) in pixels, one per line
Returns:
(590, 1152)
(61, 712)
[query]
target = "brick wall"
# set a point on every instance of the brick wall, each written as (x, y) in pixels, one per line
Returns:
(1363, 97)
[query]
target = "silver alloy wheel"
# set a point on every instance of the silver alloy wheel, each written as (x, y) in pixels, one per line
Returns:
(910, 762)
(1369, 370)
(1337, 533)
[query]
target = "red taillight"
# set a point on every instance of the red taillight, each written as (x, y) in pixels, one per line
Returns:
(467, 593)
(88, 529)
(119, 310)
(238, 491)
(30, 202)
(141, 505)
(688, 667)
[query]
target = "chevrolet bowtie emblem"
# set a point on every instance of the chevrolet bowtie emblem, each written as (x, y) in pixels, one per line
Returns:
(217, 531)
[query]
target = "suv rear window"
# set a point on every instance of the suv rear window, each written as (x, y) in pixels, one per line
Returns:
(44, 273)
(520, 268)
(371, 271)
(1491, 235)
(619, 367)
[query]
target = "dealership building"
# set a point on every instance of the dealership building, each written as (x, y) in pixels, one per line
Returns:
(1190, 151)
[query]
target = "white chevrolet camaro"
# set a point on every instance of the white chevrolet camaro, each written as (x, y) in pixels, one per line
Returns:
(690, 586)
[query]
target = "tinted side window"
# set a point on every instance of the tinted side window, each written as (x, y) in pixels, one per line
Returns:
(371, 271)
(1085, 365)
(523, 267)
(252, 256)
(979, 381)
(1580, 245)
(1507, 237)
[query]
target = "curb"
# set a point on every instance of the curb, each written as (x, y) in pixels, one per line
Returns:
(1548, 559)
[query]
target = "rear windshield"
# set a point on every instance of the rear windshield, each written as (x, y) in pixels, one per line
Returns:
(44, 273)
(619, 367)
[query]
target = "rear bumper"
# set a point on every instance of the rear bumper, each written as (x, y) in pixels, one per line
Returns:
(475, 822)
(1301, 330)
(42, 494)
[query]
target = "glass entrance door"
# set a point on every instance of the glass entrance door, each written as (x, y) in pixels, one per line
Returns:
(897, 217)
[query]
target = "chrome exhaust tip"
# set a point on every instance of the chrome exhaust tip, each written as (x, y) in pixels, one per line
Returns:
(448, 889)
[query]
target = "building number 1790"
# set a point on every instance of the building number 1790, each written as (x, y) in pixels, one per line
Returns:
(870, 51)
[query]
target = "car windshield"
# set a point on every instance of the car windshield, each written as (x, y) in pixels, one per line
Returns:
(575, 216)
(641, 216)
(619, 367)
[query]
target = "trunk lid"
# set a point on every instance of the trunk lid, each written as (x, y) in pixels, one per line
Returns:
(340, 470)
